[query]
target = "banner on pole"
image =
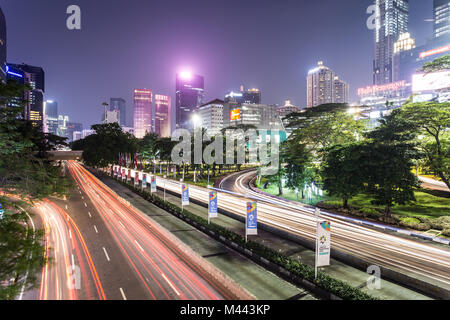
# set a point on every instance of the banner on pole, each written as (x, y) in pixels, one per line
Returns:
(136, 178)
(212, 207)
(323, 243)
(153, 184)
(252, 219)
(129, 175)
(144, 181)
(184, 194)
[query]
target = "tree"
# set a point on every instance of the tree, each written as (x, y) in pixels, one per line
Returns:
(342, 173)
(439, 64)
(431, 121)
(103, 147)
(26, 171)
(388, 158)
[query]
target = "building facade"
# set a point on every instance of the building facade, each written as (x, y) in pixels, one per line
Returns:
(35, 77)
(119, 104)
(163, 111)
(211, 116)
(51, 114)
(441, 13)
(73, 127)
(392, 19)
(262, 116)
(142, 112)
(2, 46)
(189, 95)
(324, 86)
(250, 96)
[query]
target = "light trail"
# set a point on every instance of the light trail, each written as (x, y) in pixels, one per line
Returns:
(403, 255)
(61, 275)
(159, 264)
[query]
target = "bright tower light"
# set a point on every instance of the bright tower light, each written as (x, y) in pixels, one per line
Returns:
(185, 75)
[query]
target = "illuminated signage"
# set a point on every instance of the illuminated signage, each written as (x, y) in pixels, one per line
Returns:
(434, 51)
(385, 87)
(431, 81)
(161, 97)
(235, 114)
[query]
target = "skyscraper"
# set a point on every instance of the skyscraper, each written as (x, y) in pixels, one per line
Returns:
(2, 46)
(392, 18)
(120, 105)
(323, 86)
(189, 95)
(142, 112)
(441, 10)
(51, 111)
(162, 116)
(35, 77)
(73, 127)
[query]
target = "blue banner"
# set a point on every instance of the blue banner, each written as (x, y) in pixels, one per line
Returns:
(212, 207)
(184, 194)
(252, 218)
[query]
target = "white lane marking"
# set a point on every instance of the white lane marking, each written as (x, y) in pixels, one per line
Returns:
(90, 216)
(85, 204)
(82, 197)
(70, 234)
(66, 206)
(170, 284)
(142, 249)
(122, 224)
(123, 294)
(95, 228)
(106, 254)
(73, 261)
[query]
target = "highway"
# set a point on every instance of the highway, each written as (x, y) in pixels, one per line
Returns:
(161, 265)
(417, 259)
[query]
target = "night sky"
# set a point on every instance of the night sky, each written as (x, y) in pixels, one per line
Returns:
(127, 44)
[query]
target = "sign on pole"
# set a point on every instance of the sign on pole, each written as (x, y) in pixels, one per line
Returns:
(212, 207)
(323, 243)
(251, 224)
(2, 211)
(144, 181)
(153, 184)
(136, 178)
(184, 194)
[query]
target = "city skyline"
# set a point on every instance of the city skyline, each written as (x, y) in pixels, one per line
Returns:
(251, 69)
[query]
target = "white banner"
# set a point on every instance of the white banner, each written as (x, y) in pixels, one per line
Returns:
(323, 243)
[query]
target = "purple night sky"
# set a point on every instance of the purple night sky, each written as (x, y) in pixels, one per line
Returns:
(127, 44)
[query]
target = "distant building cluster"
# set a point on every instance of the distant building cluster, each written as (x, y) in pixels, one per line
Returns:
(399, 59)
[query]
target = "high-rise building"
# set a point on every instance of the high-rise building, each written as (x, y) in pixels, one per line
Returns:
(35, 77)
(244, 96)
(162, 116)
(18, 75)
(142, 112)
(392, 19)
(323, 86)
(210, 116)
(2, 46)
(120, 105)
(72, 128)
(63, 121)
(441, 10)
(51, 114)
(189, 95)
